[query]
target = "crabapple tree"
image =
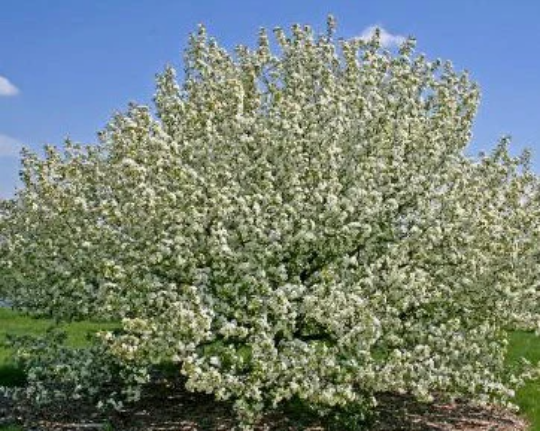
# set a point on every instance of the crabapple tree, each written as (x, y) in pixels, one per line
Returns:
(297, 219)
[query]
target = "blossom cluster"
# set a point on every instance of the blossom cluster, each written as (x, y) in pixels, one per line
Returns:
(298, 219)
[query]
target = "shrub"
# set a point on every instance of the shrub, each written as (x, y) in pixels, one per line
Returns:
(57, 373)
(298, 221)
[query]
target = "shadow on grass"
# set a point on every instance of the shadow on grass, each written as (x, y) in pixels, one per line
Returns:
(11, 376)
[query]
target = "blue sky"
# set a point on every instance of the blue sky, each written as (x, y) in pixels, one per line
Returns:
(67, 65)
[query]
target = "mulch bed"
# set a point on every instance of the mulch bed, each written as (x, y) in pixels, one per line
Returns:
(168, 407)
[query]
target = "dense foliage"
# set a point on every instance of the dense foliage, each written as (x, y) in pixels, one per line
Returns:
(295, 221)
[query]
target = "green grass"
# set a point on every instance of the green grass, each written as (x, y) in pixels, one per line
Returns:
(527, 345)
(16, 324)
(522, 344)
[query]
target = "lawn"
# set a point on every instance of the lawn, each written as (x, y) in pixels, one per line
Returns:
(15, 324)
(522, 344)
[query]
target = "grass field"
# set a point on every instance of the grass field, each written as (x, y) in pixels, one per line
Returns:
(522, 345)
(15, 324)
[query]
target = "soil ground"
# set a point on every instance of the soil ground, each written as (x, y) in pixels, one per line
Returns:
(167, 407)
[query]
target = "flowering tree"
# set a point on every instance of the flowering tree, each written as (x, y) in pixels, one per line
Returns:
(293, 222)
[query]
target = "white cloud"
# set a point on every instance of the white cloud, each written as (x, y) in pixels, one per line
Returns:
(7, 88)
(9, 147)
(388, 40)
